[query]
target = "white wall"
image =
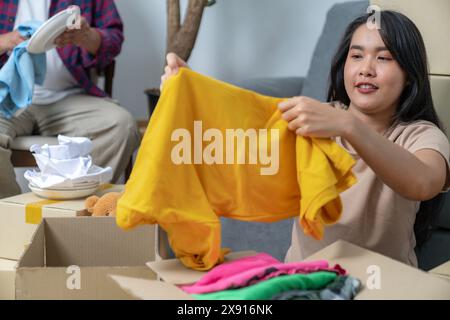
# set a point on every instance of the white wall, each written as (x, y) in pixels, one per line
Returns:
(238, 39)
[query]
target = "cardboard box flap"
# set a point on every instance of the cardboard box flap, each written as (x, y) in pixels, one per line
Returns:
(150, 289)
(174, 272)
(8, 265)
(383, 277)
(442, 270)
(76, 204)
(27, 198)
(89, 241)
(34, 255)
(7, 274)
(87, 283)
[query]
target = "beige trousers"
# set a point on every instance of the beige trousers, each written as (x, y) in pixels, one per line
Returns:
(111, 128)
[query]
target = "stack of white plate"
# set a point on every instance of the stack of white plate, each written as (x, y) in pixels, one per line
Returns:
(78, 191)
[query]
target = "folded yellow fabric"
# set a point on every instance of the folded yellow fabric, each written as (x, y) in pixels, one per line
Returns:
(186, 176)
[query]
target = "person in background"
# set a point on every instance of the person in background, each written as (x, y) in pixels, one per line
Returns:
(68, 102)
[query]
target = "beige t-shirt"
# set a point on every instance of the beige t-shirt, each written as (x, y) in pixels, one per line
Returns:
(374, 216)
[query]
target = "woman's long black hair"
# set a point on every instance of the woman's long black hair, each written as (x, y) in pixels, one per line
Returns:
(404, 41)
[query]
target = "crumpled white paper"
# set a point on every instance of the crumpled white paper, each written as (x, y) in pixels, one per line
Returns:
(68, 148)
(66, 165)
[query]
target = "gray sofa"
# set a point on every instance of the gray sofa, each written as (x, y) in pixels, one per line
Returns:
(275, 238)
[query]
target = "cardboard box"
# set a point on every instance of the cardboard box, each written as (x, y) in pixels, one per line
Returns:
(7, 274)
(383, 277)
(172, 273)
(20, 215)
(150, 289)
(442, 271)
(72, 258)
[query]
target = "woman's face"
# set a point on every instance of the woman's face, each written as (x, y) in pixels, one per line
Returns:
(374, 81)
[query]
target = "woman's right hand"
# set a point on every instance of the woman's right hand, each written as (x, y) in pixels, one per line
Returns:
(174, 63)
(10, 40)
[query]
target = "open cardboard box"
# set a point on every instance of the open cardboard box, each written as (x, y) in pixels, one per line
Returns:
(72, 258)
(20, 216)
(381, 277)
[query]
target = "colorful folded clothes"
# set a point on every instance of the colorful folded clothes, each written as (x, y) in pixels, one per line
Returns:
(251, 270)
(262, 277)
(229, 269)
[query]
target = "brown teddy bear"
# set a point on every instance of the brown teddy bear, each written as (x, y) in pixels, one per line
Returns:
(104, 206)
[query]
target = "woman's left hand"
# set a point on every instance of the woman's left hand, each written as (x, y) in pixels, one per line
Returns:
(312, 118)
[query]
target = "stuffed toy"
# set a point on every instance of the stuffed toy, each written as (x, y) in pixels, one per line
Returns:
(103, 206)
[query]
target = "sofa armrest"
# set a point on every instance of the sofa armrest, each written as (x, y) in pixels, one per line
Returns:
(284, 87)
(444, 215)
(435, 251)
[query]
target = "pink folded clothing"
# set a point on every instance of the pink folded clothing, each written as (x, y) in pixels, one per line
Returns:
(229, 269)
(251, 270)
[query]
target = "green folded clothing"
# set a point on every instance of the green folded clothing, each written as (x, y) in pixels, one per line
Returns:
(267, 289)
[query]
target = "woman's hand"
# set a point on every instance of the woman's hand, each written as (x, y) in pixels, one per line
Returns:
(84, 37)
(174, 63)
(10, 40)
(310, 117)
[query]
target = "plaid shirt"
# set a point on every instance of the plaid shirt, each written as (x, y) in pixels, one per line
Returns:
(100, 14)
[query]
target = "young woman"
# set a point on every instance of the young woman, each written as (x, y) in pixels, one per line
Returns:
(381, 111)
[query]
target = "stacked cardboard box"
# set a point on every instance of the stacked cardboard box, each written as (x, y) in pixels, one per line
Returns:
(20, 215)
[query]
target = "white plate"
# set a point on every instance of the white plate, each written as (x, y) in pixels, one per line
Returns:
(44, 38)
(62, 194)
(75, 187)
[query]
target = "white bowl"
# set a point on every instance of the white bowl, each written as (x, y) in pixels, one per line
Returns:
(65, 194)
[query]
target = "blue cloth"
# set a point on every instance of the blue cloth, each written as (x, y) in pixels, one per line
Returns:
(20, 73)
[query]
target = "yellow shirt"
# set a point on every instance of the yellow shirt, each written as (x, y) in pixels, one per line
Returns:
(186, 176)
